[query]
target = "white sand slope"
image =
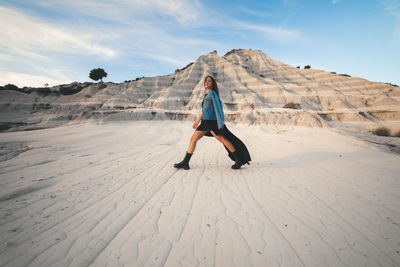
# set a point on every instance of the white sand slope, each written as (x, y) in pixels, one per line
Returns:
(254, 89)
(107, 195)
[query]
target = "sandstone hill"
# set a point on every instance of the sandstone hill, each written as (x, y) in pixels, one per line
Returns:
(254, 88)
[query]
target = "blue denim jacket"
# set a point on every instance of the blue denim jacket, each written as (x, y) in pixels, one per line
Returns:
(212, 108)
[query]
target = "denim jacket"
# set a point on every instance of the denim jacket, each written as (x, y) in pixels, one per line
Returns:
(212, 108)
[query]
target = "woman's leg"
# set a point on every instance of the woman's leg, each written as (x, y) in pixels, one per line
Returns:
(193, 140)
(231, 148)
(184, 164)
(224, 141)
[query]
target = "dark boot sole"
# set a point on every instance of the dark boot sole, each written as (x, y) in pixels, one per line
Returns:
(235, 167)
(181, 167)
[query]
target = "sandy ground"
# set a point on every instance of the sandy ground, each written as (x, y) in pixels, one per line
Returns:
(108, 195)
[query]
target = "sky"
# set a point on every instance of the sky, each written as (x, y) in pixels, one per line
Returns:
(59, 41)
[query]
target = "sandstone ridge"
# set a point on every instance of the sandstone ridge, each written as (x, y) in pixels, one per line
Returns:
(254, 89)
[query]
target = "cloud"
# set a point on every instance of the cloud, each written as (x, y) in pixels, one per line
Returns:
(392, 9)
(29, 80)
(257, 13)
(185, 12)
(275, 33)
(334, 1)
(29, 37)
(152, 17)
(292, 4)
(155, 16)
(5, 57)
(160, 57)
(156, 34)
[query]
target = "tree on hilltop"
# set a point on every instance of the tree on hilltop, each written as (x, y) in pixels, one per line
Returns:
(10, 87)
(97, 74)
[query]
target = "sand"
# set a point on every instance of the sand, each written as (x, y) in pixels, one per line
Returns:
(108, 195)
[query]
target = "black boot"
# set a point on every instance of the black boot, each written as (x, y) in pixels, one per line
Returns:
(184, 163)
(237, 164)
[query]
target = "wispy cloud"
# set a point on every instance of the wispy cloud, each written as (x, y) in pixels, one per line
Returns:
(392, 9)
(159, 57)
(257, 13)
(292, 4)
(334, 1)
(27, 36)
(274, 33)
(5, 57)
(116, 33)
(144, 26)
(157, 15)
(185, 12)
(24, 79)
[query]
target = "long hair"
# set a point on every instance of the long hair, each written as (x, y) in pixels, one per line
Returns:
(214, 86)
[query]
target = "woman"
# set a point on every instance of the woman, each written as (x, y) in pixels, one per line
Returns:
(212, 124)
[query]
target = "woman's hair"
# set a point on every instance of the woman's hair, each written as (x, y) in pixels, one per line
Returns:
(214, 86)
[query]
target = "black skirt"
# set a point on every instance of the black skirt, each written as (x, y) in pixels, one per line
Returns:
(211, 125)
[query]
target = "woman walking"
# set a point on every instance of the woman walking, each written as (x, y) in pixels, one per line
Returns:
(212, 124)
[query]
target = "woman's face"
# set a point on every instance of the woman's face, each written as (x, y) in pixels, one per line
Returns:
(208, 83)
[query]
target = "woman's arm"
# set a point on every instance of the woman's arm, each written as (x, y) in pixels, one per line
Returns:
(196, 123)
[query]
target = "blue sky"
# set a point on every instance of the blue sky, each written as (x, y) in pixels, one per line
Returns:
(60, 41)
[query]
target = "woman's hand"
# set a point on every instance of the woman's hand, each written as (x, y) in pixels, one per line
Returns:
(196, 123)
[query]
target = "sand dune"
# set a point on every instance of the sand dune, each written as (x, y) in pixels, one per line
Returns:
(107, 195)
